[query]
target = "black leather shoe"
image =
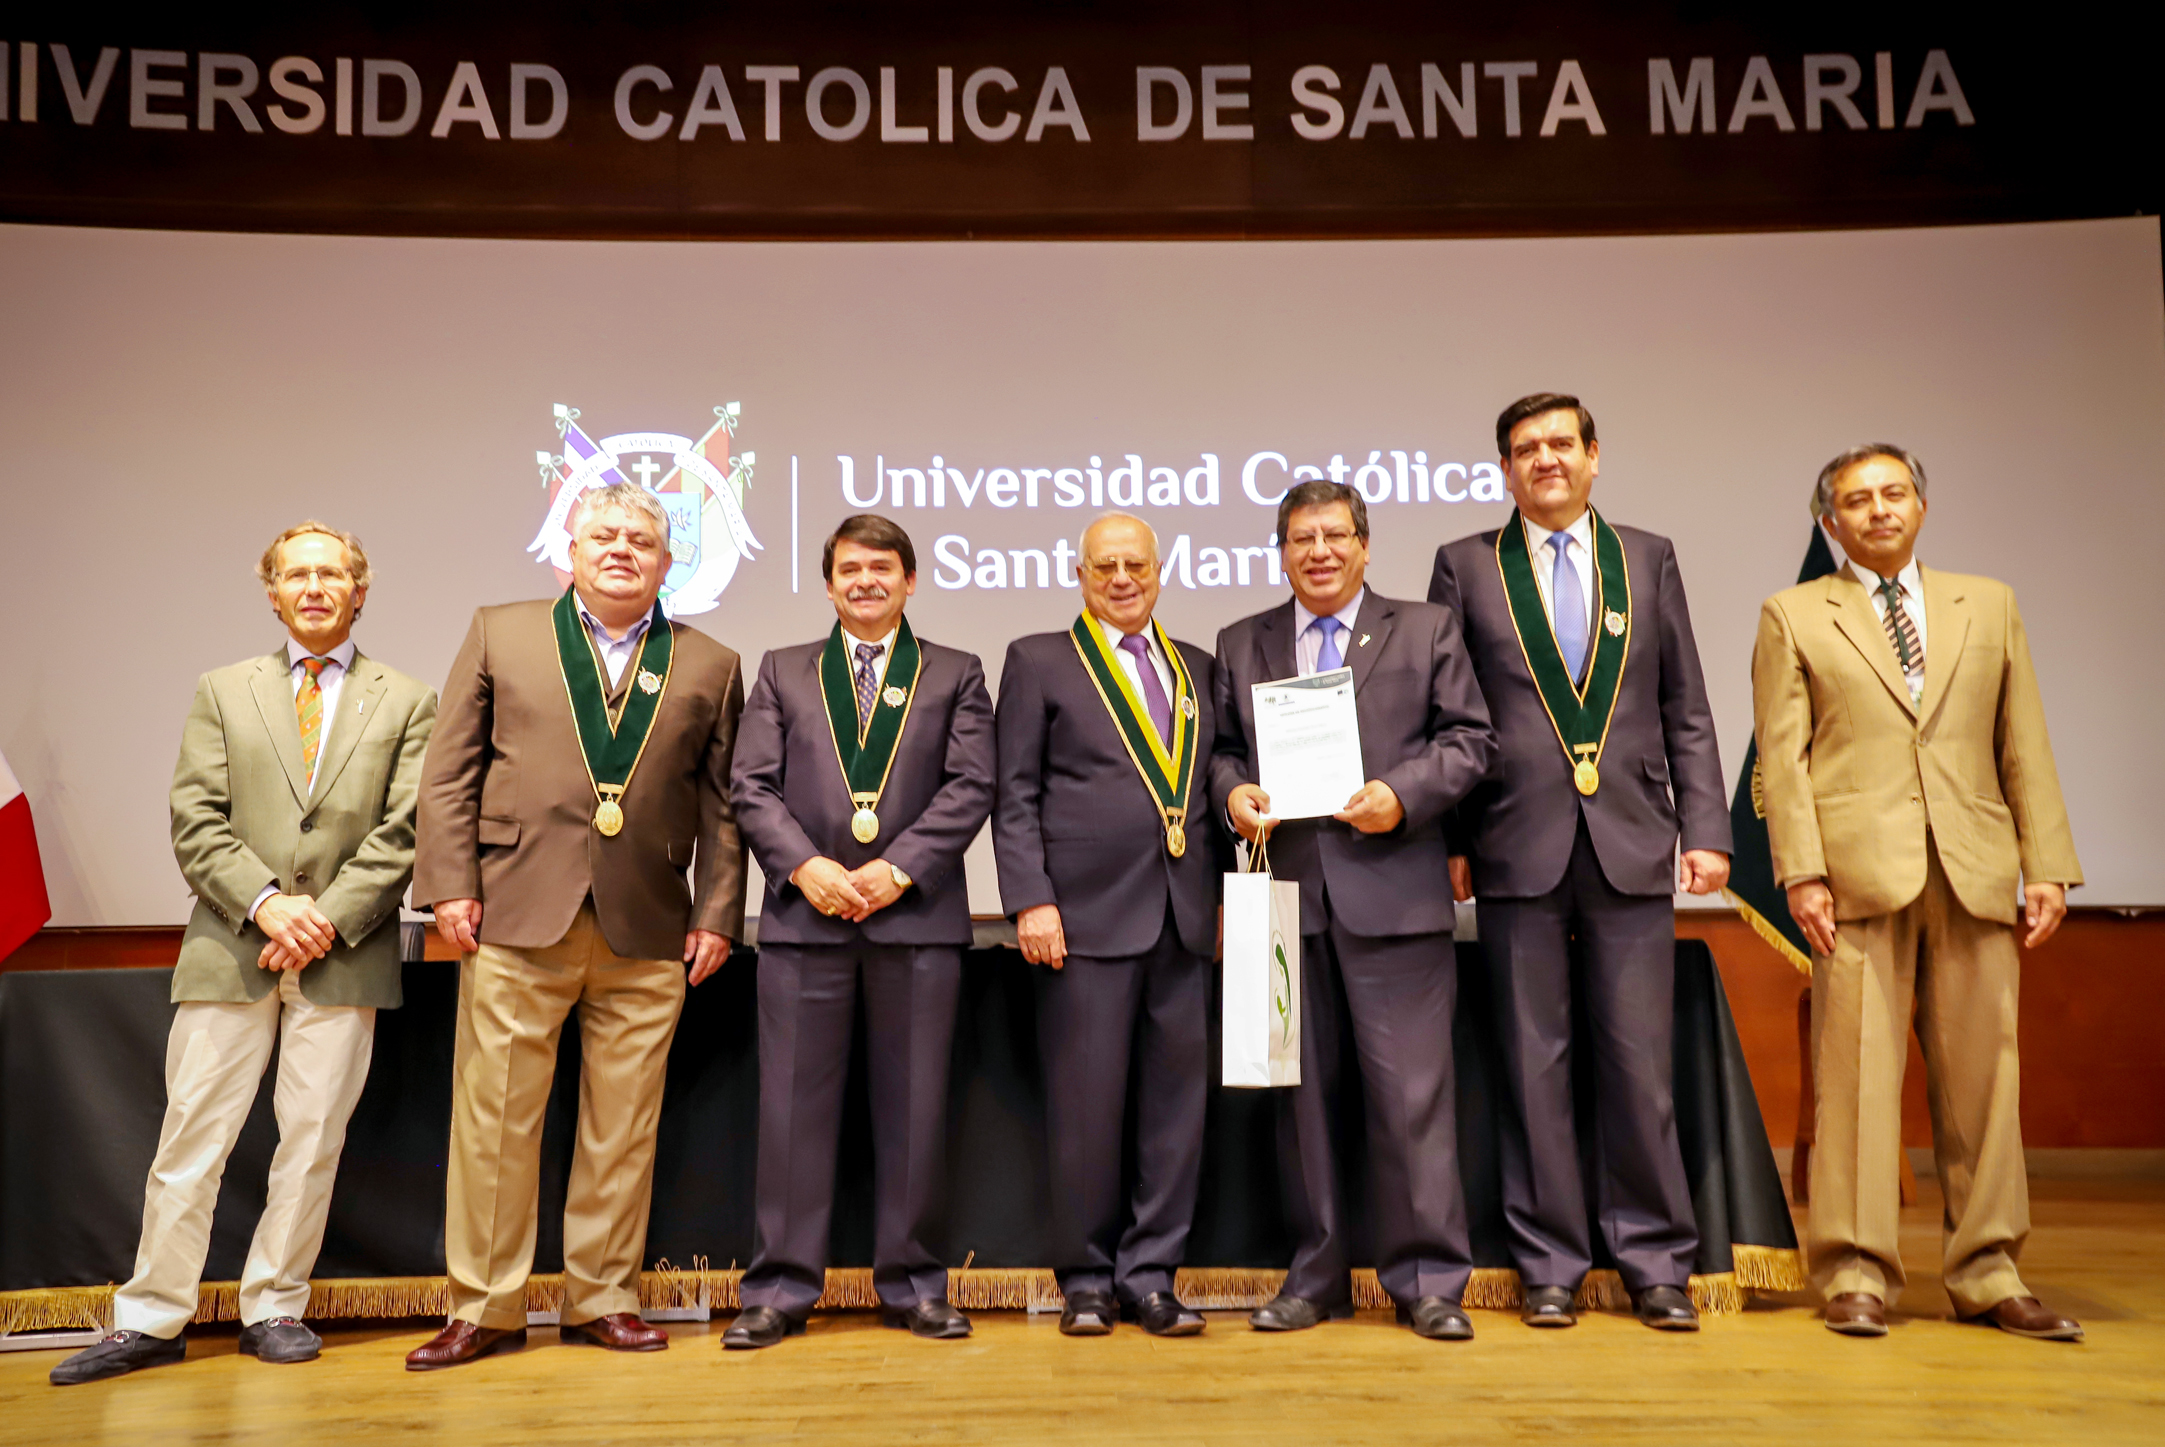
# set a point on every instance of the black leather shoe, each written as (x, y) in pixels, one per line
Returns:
(760, 1326)
(1436, 1317)
(117, 1355)
(1296, 1313)
(1548, 1306)
(281, 1339)
(1162, 1315)
(935, 1320)
(1088, 1313)
(1666, 1308)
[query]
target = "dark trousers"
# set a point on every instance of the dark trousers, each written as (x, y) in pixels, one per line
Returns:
(1399, 992)
(1100, 1024)
(1620, 952)
(807, 995)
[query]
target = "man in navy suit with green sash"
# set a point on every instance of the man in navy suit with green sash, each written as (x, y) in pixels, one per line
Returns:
(1580, 637)
(864, 769)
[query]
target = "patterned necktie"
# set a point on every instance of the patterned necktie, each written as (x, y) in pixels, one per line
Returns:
(308, 704)
(1154, 699)
(1330, 655)
(1901, 628)
(867, 680)
(1567, 606)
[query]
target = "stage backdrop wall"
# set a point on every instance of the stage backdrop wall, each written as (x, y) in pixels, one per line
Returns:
(169, 400)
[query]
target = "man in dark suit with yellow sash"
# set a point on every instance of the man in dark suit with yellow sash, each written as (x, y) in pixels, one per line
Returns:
(1580, 636)
(864, 770)
(1109, 862)
(579, 769)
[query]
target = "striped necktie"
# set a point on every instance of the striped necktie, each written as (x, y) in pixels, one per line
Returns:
(308, 704)
(1901, 628)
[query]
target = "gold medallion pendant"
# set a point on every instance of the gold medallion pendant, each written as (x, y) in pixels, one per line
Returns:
(609, 817)
(864, 825)
(1176, 838)
(1585, 776)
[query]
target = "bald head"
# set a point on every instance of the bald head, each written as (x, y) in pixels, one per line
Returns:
(1120, 571)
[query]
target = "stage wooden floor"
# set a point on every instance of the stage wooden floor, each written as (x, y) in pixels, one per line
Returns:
(1771, 1375)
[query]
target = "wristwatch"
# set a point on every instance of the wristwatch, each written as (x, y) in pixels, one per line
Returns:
(902, 881)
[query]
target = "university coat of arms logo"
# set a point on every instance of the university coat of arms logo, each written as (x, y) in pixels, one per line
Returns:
(699, 484)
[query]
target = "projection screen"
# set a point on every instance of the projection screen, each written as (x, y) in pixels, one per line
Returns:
(171, 400)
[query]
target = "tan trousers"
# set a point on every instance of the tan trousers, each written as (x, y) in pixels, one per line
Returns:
(214, 1062)
(1963, 974)
(512, 1006)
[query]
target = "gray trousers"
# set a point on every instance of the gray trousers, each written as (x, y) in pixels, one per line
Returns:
(1620, 952)
(807, 997)
(1102, 1023)
(1400, 992)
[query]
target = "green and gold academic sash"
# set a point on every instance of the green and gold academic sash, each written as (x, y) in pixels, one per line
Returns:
(866, 750)
(1579, 713)
(1166, 774)
(611, 745)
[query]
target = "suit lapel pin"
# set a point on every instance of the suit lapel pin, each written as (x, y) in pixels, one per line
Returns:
(1364, 640)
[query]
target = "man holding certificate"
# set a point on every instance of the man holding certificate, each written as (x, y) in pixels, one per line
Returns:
(1109, 861)
(1375, 928)
(864, 769)
(1580, 635)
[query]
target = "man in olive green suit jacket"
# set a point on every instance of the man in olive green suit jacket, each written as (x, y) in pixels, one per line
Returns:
(1914, 810)
(293, 823)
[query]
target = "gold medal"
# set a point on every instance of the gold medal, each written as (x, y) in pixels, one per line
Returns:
(864, 825)
(609, 817)
(1585, 776)
(1176, 838)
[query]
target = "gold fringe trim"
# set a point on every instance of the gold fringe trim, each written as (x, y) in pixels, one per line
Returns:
(1766, 931)
(667, 1287)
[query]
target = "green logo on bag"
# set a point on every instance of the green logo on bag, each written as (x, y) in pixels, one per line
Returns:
(1281, 989)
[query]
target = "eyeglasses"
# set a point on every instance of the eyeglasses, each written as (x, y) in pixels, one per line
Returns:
(1335, 539)
(324, 577)
(1107, 569)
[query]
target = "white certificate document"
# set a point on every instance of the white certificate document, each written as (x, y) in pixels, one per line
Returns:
(1308, 744)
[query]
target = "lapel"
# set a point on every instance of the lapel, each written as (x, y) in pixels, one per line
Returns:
(272, 684)
(1372, 629)
(357, 703)
(1274, 639)
(1946, 629)
(1854, 616)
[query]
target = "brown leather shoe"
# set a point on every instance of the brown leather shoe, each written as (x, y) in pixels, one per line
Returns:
(1857, 1313)
(461, 1342)
(620, 1331)
(2027, 1316)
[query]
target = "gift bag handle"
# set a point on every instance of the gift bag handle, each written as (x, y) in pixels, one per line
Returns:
(1259, 855)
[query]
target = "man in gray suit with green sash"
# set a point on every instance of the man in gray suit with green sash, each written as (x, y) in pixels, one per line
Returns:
(293, 822)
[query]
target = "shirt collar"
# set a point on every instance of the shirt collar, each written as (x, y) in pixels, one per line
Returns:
(342, 655)
(886, 645)
(601, 633)
(1581, 532)
(1911, 579)
(1346, 615)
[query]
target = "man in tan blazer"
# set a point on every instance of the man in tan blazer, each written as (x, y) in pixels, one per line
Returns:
(293, 820)
(580, 768)
(1911, 801)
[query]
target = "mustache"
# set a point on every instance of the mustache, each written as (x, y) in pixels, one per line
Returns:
(867, 593)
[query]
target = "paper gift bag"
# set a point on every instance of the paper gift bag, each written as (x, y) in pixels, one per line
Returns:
(1262, 1024)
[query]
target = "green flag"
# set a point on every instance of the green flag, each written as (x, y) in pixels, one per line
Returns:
(1751, 888)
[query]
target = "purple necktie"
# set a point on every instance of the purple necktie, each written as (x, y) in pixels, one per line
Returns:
(1154, 699)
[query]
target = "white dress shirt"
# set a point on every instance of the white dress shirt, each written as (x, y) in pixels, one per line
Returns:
(332, 681)
(1911, 583)
(886, 647)
(1578, 551)
(1308, 639)
(616, 653)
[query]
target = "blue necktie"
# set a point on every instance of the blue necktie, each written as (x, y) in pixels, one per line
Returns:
(1330, 655)
(1567, 607)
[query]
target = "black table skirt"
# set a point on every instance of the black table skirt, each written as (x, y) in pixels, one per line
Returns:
(82, 1093)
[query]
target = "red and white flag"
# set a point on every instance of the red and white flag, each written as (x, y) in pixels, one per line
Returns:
(24, 908)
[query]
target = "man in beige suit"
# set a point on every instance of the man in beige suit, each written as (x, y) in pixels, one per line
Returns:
(293, 820)
(581, 767)
(1911, 801)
